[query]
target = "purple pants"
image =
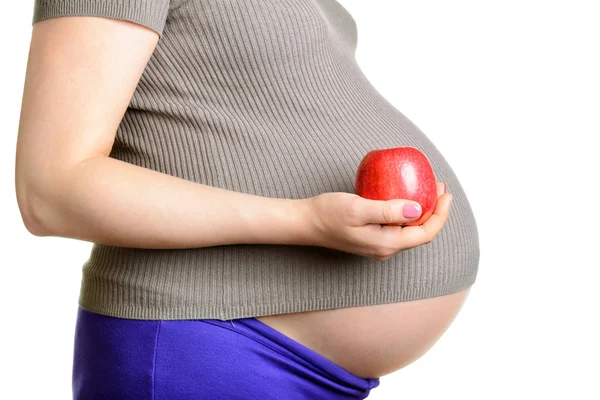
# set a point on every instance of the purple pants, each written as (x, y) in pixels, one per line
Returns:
(118, 358)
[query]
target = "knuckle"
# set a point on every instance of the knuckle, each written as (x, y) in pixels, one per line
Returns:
(384, 253)
(387, 214)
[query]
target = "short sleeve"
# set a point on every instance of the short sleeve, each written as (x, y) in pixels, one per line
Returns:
(149, 13)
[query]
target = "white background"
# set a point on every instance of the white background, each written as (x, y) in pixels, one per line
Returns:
(509, 92)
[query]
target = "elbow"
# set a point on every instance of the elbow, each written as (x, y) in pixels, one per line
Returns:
(31, 206)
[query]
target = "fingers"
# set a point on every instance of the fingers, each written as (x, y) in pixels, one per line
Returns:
(413, 236)
(441, 187)
(389, 212)
(396, 211)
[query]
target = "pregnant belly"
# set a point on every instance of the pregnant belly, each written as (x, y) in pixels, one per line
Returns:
(372, 341)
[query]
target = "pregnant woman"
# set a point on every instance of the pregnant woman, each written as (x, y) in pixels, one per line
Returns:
(208, 149)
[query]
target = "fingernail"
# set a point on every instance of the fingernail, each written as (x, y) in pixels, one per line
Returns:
(411, 211)
(444, 188)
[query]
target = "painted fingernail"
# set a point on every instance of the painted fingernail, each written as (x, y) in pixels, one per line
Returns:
(444, 188)
(411, 211)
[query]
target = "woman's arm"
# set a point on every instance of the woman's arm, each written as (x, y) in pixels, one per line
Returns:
(81, 74)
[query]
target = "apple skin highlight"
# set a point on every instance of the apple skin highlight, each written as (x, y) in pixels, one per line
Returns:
(398, 173)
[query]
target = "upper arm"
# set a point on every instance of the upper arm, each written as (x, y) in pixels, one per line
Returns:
(81, 74)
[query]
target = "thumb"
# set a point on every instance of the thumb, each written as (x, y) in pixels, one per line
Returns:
(396, 211)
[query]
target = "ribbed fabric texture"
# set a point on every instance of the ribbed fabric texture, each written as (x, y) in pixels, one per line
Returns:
(262, 97)
(150, 13)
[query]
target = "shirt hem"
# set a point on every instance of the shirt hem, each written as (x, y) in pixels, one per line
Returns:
(225, 312)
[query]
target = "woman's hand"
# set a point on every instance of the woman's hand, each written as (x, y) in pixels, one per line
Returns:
(351, 223)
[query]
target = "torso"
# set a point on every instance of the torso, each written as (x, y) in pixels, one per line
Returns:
(266, 97)
(368, 341)
(372, 341)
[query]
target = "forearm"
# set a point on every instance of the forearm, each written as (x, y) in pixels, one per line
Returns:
(107, 201)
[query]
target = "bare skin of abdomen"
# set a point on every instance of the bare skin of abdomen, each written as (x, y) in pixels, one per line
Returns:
(372, 341)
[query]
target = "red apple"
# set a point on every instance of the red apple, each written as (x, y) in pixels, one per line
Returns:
(398, 173)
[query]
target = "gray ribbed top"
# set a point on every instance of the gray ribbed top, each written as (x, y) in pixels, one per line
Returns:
(262, 97)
